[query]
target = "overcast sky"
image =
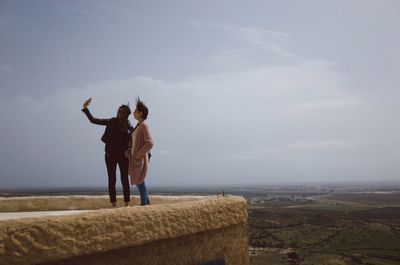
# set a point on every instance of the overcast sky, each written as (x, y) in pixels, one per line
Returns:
(239, 92)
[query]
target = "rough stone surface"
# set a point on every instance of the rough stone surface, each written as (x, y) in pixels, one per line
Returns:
(229, 243)
(79, 202)
(51, 239)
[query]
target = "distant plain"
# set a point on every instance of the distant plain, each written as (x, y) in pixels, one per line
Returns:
(303, 224)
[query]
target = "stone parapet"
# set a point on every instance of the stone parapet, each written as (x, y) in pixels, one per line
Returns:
(176, 233)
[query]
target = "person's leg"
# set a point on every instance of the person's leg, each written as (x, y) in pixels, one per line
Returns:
(147, 196)
(148, 200)
(123, 164)
(111, 171)
(143, 193)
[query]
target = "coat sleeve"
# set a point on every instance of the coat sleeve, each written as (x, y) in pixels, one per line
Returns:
(95, 120)
(148, 141)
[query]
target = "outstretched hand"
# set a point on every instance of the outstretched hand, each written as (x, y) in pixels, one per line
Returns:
(87, 103)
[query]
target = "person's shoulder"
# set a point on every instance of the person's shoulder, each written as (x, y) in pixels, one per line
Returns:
(113, 121)
(145, 125)
(142, 127)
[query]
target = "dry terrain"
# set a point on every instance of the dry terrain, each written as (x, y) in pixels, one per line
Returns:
(351, 228)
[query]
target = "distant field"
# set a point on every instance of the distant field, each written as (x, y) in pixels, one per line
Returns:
(294, 234)
(367, 198)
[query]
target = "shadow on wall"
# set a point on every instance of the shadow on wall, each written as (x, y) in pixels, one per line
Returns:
(206, 248)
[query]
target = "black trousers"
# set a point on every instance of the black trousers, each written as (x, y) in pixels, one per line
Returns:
(111, 161)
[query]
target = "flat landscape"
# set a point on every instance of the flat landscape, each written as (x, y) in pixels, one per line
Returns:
(320, 225)
(331, 228)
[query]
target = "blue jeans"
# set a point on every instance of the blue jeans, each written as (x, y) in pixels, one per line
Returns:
(144, 196)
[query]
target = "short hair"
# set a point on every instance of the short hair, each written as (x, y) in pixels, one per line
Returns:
(141, 107)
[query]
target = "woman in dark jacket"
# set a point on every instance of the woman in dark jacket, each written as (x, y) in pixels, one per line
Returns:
(116, 136)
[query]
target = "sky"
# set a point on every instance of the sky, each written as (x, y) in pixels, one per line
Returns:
(239, 92)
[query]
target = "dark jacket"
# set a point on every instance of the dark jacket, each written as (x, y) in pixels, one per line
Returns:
(117, 136)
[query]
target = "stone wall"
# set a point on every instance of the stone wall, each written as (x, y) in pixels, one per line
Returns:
(175, 233)
(80, 202)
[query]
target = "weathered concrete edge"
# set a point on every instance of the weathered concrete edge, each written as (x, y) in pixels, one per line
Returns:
(40, 240)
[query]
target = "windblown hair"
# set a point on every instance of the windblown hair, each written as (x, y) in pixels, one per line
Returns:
(141, 107)
(125, 120)
(126, 107)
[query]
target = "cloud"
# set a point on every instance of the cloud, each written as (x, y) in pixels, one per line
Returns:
(33, 149)
(165, 152)
(264, 38)
(267, 39)
(202, 126)
(72, 8)
(249, 47)
(252, 34)
(325, 104)
(320, 145)
(297, 148)
(7, 69)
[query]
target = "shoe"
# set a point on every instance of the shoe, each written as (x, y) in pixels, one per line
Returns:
(113, 204)
(126, 204)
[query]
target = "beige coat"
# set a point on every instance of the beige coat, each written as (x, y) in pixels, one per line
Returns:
(142, 142)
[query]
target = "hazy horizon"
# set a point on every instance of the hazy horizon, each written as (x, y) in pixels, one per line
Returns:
(239, 93)
(395, 185)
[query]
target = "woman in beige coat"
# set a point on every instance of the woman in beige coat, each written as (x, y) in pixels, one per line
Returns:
(142, 142)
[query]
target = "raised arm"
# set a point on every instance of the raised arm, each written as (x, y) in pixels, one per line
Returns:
(90, 116)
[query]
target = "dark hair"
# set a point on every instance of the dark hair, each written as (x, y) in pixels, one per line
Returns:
(126, 107)
(141, 107)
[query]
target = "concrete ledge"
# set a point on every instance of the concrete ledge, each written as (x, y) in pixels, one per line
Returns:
(54, 239)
